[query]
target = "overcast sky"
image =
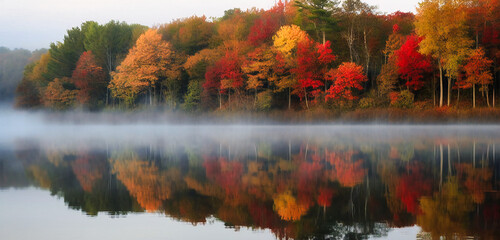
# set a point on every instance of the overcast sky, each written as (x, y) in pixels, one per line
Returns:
(34, 24)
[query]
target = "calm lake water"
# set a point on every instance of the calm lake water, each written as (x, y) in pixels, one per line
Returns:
(247, 182)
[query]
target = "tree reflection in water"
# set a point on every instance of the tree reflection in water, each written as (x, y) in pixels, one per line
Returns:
(301, 189)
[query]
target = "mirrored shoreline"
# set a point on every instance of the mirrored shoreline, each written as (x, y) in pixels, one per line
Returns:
(297, 182)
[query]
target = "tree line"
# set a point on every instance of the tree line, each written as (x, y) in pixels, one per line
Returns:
(297, 55)
(12, 62)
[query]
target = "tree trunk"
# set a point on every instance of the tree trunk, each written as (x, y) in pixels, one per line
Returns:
(324, 38)
(473, 95)
(316, 30)
(220, 100)
(367, 52)
(458, 96)
(289, 99)
(441, 166)
(350, 40)
(150, 97)
(154, 96)
(434, 89)
(449, 160)
(255, 100)
(440, 84)
(487, 97)
(474, 155)
(305, 96)
(289, 150)
(449, 91)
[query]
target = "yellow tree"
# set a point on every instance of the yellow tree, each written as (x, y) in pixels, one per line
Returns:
(446, 213)
(442, 23)
(145, 65)
(285, 42)
(288, 207)
(31, 89)
(144, 180)
(258, 67)
(287, 39)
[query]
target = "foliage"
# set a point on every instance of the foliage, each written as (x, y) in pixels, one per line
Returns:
(247, 52)
(59, 94)
(347, 77)
(320, 13)
(192, 98)
(411, 64)
(189, 35)
(266, 25)
(142, 69)
(388, 78)
(389, 74)
(264, 101)
(258, 68)
(367, 102)
(64, 55)
(231, 75)
(313, 60)
(196, 65)
(477, 70)
(287, 39)
(394, 42)
(403, 99)
(288, 207)
(110, 42)
(30, 91)
(442, 26)
(90, 80)
(12, 63)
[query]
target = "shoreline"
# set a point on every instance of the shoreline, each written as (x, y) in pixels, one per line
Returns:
(379, 116)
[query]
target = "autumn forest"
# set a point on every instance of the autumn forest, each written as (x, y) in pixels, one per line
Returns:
(307, 55)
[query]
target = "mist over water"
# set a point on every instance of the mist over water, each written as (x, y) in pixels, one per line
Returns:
(152, 126)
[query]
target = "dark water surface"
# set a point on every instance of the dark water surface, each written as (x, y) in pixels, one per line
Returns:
(248, 182)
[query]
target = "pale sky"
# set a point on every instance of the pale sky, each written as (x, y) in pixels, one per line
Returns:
(34, 24)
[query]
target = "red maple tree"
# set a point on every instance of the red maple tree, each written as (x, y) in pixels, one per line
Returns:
(90, 79)
(265, 26)
(312, 62)
(412, 64)
(346, 77)
(225, 75)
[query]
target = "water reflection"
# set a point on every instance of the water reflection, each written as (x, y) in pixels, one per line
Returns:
(298, 186)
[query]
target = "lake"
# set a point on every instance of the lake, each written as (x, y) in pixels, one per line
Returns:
(153, 181)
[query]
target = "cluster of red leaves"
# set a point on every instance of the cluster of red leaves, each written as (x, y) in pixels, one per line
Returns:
(394, 96)
(263, 28)
(88, 77)
(325, 196)
(312, 62)
(396, 28)
(413, 65)
(347, 172)
(224, 74)
(346, 77)
(412, 186)
(227, 174)
(477, 69)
